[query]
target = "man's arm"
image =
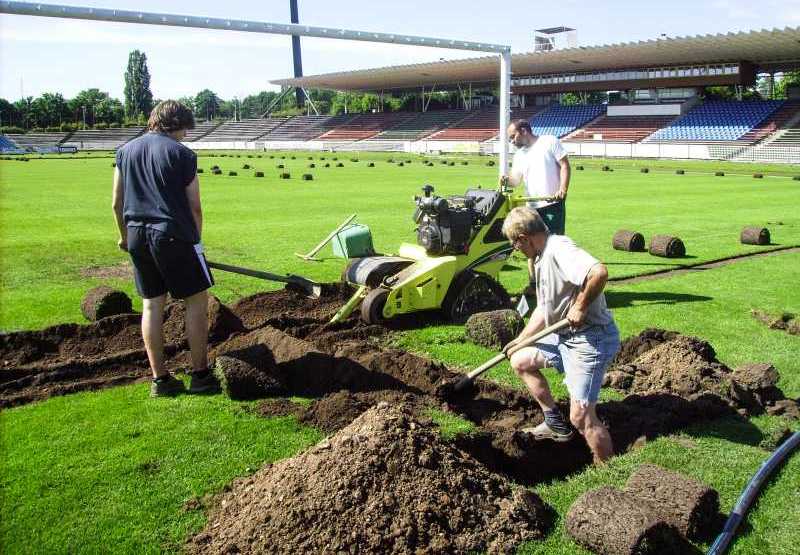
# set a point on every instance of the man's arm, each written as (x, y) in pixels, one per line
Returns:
(193, 196)
(117, 202)
(565, 173)
(595, 283)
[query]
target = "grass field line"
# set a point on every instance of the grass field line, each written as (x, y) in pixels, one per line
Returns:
(708, 265)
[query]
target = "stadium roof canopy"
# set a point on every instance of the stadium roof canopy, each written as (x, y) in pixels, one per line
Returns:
(767, 50)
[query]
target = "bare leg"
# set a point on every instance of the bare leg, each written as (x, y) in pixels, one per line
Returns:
(153, 333)
(528, 366)
(585, 419)
(197, 329)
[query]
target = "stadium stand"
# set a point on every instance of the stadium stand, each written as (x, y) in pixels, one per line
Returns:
(481, 125)
(300, 128)
(201, 129)
(103, 139)
(33, 140)
(717, 121)
(422, 125)
(620, 129)
(365, 126)
(561, 120)
(245, 130)
(7, 144)
(776, 121)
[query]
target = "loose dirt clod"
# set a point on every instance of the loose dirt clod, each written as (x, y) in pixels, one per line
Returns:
(667, 246)
(384, 484)
(614, 522)
(683, 502)
(625, 240)
(755, 236)
(102, 301)
(493, 329)
(784, 321)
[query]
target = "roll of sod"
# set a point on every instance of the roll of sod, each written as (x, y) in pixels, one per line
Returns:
(719, 174)
(327, 164)
(758, 176)
(294, 157)
(258, 174)
(796, 178)
(451, 163)
(238, 155)
(216, 171)
(631, 241)
(272, 156)
(282, 157)
(307, 177)
(245, 166)
(464, 163)
(400, 164)
(491, 163)
(610, 521)
(312, 166)
(493, 329)
(680, 172)
(199, 170)
(390, 160)
(339, 165)
(579, 168)
(248, 374)
(280, 166)
(249, 155)
(755, 236)
(645, 170)
(371, 165)
(606, 168)
(683, 502)
(335, 158)
(214, 167)
(444, 162)
(100, 302)
(113, 164)
(310, 158)
(232, 173)
(285, 175)
(354, 159)
(667, 246)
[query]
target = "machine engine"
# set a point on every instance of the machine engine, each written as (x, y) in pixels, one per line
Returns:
(445, 226)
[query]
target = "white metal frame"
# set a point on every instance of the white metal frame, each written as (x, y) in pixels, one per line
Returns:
(173, 20)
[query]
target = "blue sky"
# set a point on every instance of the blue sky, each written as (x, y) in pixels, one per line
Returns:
(66, 56)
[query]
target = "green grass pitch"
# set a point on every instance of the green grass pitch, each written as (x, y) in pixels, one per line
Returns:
(112, 471)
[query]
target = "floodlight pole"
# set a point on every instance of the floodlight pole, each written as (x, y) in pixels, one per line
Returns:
(224, 24)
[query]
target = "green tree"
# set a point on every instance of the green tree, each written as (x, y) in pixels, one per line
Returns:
(87, 99)
(24, 112)
(109, 110)
(8, 114)
(206, 104)
(789, 78)
(48, 110)
(138, 97)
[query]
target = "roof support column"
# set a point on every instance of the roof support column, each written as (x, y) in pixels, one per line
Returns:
(505, 110)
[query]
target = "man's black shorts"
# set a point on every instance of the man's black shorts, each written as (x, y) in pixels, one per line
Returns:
(164, 264)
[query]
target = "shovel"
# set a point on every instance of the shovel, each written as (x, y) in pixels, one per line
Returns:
(310, 288)
(469, 378)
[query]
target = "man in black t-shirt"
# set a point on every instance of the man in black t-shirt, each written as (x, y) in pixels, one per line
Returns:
(157, 207)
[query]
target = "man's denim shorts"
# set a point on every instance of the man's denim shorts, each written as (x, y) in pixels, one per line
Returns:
(582, 357)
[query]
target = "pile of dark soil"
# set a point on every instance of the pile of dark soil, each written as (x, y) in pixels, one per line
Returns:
(659, 361)
(386, 483)
(70, 357)
(785, 321)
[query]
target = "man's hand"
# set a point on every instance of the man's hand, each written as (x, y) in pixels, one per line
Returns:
(561, 194)
(576, 316)
(122, 243)
(503, 181)
(511, 345)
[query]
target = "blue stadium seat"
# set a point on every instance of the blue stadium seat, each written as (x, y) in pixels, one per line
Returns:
(561, 120)
(717, 121)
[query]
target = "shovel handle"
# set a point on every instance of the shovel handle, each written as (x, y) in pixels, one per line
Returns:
(561, 324)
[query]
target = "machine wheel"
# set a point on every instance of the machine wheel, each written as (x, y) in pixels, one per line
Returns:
(350, 263)
(372, 305)
(472, 292)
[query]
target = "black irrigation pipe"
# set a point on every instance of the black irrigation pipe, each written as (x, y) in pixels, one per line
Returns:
(750, 494)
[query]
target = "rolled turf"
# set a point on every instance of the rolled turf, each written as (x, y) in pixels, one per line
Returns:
(667, 246)
(755, 236)
(100, 302)
(631, 241)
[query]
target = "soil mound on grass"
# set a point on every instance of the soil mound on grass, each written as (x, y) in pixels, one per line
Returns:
(384, 484)
(659, 361)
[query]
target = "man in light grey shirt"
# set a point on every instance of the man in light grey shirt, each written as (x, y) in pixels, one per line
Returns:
(569, 284)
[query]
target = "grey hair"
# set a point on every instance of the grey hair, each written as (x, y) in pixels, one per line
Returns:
(523, 221)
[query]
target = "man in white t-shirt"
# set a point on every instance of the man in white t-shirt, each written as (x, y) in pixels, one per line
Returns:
(569, 284)
(542, 164)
